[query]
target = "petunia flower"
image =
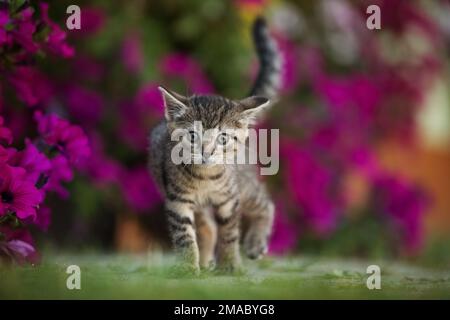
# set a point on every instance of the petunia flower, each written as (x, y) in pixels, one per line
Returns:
(31, 86)
(66, 138)
(285, 233)
(24, 30)
(32, 160)
(17, 193)
(60, 172)
(17, 245)
(56, 40)
(139, 189)
(5, 133)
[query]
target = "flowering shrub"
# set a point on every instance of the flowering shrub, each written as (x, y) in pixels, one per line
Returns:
(84, 115)
(47, 156)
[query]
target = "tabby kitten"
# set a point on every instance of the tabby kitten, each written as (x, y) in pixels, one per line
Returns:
(206, 202)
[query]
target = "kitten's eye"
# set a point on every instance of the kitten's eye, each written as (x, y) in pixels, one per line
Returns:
(193, 137)
(223, 139)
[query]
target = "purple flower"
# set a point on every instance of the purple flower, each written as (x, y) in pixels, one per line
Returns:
(32, 160)
(285, 233)
(84, 104)
(32, 87)
(140, 114)
(102, 168)
(43, 218)
(17, 245)
(404, 205)
(5, 133)
(56, 40)
(139, 189)
(4, 19)
(312, 186)
(132, 54)
(17, 193)
(24, 29)
(178, 65)
(68, 139)
(93, 20)
(60, 172)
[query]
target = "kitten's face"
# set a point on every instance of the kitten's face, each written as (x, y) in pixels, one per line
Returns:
(213, 127)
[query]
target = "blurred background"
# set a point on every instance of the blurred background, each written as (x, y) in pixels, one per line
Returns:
(364, 117)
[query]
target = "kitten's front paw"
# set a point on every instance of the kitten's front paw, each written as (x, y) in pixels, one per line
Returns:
(255, 245)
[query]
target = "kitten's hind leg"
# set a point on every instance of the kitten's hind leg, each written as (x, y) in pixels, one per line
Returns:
(260, 220)
(207, 237)
(180, 217)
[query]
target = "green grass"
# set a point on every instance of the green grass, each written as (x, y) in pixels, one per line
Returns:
(140, 277)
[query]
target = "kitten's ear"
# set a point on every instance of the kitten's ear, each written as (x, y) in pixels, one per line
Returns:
(175, 105)
(254, 107)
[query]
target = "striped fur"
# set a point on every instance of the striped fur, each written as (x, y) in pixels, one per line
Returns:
(205, 204)
(268, 81)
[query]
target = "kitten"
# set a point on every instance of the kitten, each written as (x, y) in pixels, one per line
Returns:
(206, 202)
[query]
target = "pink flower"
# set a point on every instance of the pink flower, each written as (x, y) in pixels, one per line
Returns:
(139, 189)
(56, 40)
(102, 168)
(60, 172)
(32, 160)
(93, 20)
(32, 87)
(84, 104)
(17, 193)
(24, 30)
(5, 133)
(139, 115)
(17, 245)
(4, 19)
(404, 205)
(43, 216)
(132, 54)
(285, 234)
(182, 66)
(68, 139)
(312, 186)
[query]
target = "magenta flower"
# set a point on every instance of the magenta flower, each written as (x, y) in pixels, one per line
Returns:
(101, 168)
(4, 19)
(32, 160)
(178, 65)
(312, 186)
(93, 21)
(60, 172)
(68, 139)
(17, 193)
(43, 218)
(5, 133)
(149, 100)
(24, 29)
(31, 86)
(140, 114)
(84, 104)
(139, 189)
(17, 245)
(404, 205)
(285, 233)
(56, 40)
(132, 54)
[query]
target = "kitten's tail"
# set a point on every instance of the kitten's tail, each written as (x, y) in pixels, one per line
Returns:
(268, 81)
